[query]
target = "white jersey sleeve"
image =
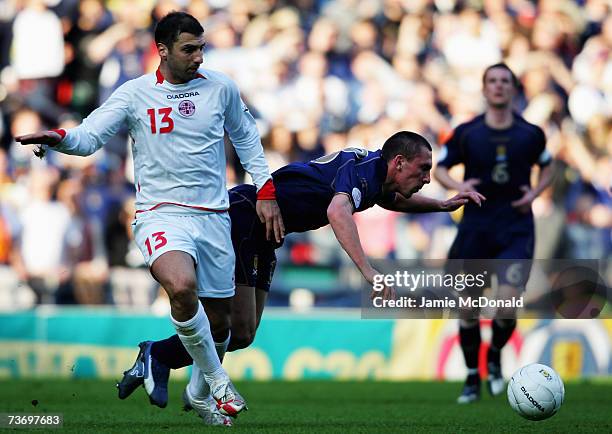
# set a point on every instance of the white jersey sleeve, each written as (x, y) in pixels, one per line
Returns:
(97, 128)
(242, 131)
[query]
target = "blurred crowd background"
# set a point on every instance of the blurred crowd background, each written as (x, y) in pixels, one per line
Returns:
(318, 75)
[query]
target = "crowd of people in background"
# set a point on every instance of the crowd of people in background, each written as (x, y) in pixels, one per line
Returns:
(319, 76)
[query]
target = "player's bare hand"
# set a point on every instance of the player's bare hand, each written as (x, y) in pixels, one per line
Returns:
(524, 203)
(387, 293)
(269, 213)
(461, 199)
(49, 138)
(469, 185)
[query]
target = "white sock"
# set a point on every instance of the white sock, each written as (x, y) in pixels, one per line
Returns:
(221, 347)
(197, 340)
(198, 387)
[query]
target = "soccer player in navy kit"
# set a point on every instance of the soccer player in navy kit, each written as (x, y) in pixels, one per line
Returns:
(311, 195)
(498, 149)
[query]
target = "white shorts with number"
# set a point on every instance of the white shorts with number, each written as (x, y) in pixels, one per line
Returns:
(205, 236)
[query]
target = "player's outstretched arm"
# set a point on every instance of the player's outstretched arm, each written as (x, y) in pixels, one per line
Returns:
(420, 204)
(49, 138)
(340, 216)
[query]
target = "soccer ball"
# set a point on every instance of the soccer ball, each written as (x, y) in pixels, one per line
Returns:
(536, 392)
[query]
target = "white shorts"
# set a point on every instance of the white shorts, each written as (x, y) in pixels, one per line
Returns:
(205, 236)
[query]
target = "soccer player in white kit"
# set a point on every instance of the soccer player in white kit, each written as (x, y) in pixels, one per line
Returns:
(177, 117)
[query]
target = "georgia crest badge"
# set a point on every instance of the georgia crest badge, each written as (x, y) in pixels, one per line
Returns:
(186, 108)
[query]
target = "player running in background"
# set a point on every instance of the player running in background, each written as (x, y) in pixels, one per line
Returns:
(177, 118)
(498, 149)
(310, 195)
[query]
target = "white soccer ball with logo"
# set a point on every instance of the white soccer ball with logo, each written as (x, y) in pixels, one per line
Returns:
(536, 392)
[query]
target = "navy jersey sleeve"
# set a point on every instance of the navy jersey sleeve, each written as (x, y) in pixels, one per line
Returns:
(347, 182)
(543, 156)
(451, 154)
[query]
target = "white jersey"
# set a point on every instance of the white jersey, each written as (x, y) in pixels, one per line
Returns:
(177, 133)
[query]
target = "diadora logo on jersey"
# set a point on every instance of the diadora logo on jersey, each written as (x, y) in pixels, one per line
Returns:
(182, 95)
(186, 108)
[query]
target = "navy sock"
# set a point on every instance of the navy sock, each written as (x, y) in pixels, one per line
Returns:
(469, 337)
(171, 352)
(502, 330)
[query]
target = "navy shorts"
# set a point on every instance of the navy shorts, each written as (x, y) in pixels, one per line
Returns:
(255, 257)
(508, 254)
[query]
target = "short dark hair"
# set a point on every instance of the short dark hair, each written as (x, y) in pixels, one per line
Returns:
(404, 143)
(172, 25)
(502, 65)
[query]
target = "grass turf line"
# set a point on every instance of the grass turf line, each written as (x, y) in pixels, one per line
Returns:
(307, 407)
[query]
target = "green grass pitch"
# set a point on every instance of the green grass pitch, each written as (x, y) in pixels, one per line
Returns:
(308, 407)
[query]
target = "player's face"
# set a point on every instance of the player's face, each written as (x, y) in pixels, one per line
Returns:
(412, 175)
(498, 88)
(185, 57)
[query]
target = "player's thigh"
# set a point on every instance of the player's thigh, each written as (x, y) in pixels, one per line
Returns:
(244, 312)
(470, 244)
(514, 259)
(168, 250)
(261, 297)
(507, 293)
(215, 255)
(175, 271)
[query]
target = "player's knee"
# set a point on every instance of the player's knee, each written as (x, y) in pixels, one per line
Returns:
(506, 323)
(220, 328)
(183, 296)
(468, 323)
(180, 285)
(241, 341)
(242, 336)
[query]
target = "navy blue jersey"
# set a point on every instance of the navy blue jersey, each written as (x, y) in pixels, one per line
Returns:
(502, 160)
(305, 190)
(303, 193)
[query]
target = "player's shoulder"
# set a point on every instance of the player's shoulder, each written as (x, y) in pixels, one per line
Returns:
(532, 129)
(135, 86)
(213, 76)
(470, 126)
(476, 121)
(144, 81)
